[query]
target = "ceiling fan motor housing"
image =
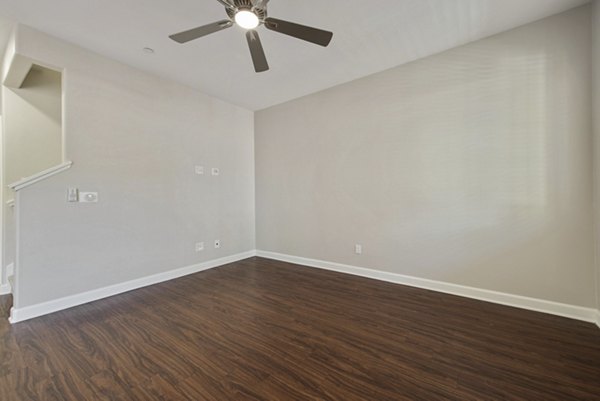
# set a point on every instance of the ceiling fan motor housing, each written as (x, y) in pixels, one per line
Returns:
(248, 5)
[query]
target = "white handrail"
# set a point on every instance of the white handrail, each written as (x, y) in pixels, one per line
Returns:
(27, 181)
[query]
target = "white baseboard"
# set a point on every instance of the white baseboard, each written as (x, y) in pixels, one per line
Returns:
(538, 305)
(30, 312)
(5, 289)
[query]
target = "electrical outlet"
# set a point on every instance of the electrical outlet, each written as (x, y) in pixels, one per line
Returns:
(199, 246)
(215, 171)
(199, 170)
(217, 244)
(358, 249)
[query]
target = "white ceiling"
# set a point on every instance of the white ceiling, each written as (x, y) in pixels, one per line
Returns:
(369, 36)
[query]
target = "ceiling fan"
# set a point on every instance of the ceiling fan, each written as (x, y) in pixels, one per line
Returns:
(249, 14)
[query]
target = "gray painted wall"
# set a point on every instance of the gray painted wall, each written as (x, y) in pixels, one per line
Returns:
(472, 167)
(135, 139)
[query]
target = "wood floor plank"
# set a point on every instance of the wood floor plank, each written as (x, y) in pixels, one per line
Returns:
(265, 330)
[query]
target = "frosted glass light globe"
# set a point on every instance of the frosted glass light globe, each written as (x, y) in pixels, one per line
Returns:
(246, 19)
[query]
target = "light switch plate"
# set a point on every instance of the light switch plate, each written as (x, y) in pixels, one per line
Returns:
(216, 171)
(72, 195)
(199, 170)
(88, 197)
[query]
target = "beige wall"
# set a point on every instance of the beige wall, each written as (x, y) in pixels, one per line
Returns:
(135, 139)
(596, 113)
(472, 167)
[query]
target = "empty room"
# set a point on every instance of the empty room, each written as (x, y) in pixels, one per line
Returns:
(276, 200)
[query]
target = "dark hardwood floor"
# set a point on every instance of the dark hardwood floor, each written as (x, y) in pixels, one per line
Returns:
(266, 330)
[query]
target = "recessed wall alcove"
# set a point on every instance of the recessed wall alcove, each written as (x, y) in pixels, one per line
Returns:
(32, 142)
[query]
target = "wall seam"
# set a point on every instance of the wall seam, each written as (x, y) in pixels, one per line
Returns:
(596, 150)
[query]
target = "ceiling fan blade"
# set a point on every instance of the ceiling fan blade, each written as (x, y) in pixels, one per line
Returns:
(186, 36)
(260, 3)
(227, 3)
(313, 35)
(256, 50)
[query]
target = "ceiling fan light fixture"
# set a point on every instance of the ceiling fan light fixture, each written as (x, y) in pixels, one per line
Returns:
(246, 19)
(249, 14)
